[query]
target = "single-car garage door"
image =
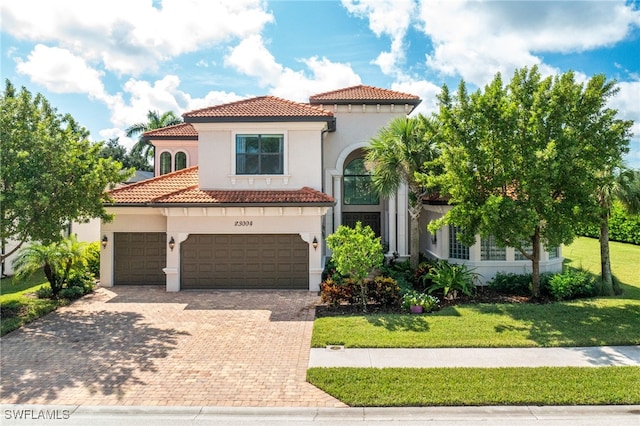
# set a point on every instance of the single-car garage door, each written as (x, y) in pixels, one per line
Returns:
(244, 262)
(139, 258)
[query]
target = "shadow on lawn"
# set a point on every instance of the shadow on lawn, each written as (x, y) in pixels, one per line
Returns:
(563, 324)
(100, 351)
(399, 322)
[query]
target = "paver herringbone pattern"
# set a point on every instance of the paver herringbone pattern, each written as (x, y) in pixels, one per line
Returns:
(143, 346)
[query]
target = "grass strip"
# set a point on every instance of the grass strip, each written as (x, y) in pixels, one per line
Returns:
(416, 387)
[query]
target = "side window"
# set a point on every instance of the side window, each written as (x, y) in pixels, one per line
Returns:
(489, 250)
(259, 154)
(165, 163)
(357, 186)
(180, 160)
(457, 250)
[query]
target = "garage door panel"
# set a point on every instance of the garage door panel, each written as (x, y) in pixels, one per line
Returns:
(245, 261)
(139, 258)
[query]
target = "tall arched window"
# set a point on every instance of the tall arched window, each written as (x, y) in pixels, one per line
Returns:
(165, 163)
(181, 161)
(357, 186)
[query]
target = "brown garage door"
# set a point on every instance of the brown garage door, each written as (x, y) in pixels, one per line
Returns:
(244, 262)
(139, 258)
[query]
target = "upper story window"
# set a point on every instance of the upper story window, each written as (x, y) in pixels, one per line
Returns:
(358, 189)
(259, 154)
(165, 163)
(180, 161)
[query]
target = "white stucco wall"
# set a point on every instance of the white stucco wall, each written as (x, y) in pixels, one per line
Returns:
(302, 155)
(189, 147)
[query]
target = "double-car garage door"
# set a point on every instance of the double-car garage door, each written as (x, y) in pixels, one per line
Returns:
(278, 261)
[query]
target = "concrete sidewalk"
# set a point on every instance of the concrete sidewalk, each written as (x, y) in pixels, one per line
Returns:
(598, 356)
(618, 415)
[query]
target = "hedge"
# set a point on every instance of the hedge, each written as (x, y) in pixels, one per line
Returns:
(622, 227)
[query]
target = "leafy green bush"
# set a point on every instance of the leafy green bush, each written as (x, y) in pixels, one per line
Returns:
(44, 292)
(622, 227)
(72, 293)
(451, 279)
(81, 279)
(511, 284)
(93, 258)
(573, 284)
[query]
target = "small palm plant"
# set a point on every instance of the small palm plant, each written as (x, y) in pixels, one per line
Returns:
(451, 279)
(56, 260)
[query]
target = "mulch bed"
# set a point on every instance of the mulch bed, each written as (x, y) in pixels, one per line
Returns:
(483, 295)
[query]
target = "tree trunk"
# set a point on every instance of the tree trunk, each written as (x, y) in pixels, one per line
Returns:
(414, 248)
(535, 264)
(605, 257)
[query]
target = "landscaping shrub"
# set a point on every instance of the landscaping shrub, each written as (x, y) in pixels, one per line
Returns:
(573, 284)
(72, 293)
(381, 290)
(511, 284)
(44, 292)
(93, 258)
(622, 227)
(81, 279)
(384, 291)
(451, 279)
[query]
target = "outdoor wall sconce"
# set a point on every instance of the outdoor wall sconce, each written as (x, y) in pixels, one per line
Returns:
(314, 244)
(172, 243)
(105, 240)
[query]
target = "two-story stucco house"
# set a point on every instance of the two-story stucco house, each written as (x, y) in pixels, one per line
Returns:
(246, 192)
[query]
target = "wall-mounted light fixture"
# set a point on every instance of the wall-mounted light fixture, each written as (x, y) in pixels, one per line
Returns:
(172, 243)
(314, 243)
(104, 241)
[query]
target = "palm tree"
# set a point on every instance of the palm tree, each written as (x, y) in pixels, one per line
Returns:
(143, 148)
(399, 151)
(624, 187)
(56, 259)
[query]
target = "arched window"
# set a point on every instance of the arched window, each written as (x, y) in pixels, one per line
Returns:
(165, 163)
(181, 161)
(357, 187)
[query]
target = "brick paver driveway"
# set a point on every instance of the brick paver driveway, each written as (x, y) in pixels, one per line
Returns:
(143, 346)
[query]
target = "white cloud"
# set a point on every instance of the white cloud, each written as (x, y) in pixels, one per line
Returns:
(477, 39)
(131, 36)
(60, 71)
(114, 132)
(627, 102)
(386, 17)
(426, 90)
(252, 58)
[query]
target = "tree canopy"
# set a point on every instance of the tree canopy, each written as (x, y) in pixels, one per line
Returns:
(396, 154)
(522, 161)
(50, 174)
(143, 148)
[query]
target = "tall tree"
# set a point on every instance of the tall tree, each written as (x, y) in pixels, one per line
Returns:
(50, 174)
(522, 161)
(622, 186)
(112, 149)
(155, 120)
(395, 155)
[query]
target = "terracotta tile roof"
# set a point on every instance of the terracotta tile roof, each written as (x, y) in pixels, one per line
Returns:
(181, 188)
(263, 107)
(363, 93)
(184, 130)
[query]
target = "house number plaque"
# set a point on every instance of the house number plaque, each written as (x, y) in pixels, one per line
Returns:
(243, 223)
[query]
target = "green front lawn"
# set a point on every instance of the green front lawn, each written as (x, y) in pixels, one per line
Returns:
(415, 387)
(19, 305)
(592, 322)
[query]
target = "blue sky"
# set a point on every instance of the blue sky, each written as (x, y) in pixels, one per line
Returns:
(108, 63)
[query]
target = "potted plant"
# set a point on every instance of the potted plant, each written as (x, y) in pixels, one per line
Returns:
(418, 302)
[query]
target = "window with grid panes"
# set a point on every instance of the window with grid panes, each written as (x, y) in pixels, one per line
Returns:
(490, 251)
(526, 246)
(259, 154)
(457, 250)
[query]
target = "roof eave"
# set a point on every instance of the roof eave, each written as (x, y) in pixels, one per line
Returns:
(200, 205)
